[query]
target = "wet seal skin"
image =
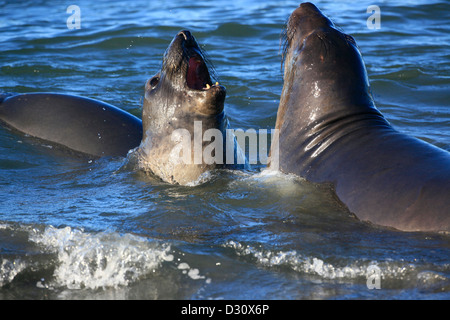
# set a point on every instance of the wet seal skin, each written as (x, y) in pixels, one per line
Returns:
(87, 126)
(331, 132)
(182, 101)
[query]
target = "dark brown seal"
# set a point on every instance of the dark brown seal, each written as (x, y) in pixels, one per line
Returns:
(81, 124)
(331, 132)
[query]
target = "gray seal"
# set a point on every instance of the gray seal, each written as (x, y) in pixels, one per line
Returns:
(182, 105)
(81, 124)
(183, 133)
(331, 132)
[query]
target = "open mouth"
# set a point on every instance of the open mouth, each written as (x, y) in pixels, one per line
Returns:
(198, 77)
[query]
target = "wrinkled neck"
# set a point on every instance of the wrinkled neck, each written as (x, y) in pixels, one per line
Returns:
(314, 89)
(320, 106)
(163, 125)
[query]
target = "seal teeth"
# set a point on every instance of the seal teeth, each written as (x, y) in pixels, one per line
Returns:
(208, 86)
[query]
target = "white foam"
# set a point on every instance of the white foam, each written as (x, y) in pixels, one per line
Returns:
(203, 178)
(193, 273)
(183, 266)
(9, 270)
(301, 263)
(98, 260)
(275, 180)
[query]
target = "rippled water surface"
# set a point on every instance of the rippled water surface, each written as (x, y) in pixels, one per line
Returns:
(77, 229)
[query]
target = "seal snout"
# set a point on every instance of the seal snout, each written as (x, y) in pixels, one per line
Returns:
(306, 20)
(186, 35)
(307, 8)
(197, 76)
(307, 17)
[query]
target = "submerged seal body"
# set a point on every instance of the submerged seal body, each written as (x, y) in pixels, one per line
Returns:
(181, 105)
(84, 125)
(331, 132)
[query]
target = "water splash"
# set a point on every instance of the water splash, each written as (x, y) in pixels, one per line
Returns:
(105, 259)
(10, 269)
(391, 273)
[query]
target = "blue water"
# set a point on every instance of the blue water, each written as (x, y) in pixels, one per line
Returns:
(72, 228)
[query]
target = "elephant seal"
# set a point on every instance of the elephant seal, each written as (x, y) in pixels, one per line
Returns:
(84, 125)
(183, 110)
(331, 132)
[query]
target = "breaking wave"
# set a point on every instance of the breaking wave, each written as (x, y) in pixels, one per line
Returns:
(104, 259)
(390, 272)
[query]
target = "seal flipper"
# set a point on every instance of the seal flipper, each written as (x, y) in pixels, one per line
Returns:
(6, 95)
(84, 125)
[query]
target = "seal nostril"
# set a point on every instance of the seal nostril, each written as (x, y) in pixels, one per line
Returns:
(186, 34)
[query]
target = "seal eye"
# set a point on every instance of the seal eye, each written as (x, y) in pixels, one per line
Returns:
(153, 82)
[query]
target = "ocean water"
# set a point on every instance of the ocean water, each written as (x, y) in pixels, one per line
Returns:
(72, 228)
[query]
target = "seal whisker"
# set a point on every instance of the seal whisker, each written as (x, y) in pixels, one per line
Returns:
(325, 43)
(209, 65)
(285, 39)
